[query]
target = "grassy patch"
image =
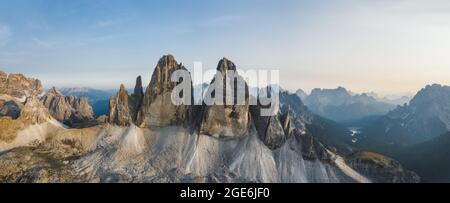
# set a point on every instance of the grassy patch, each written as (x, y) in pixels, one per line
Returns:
(9, 129)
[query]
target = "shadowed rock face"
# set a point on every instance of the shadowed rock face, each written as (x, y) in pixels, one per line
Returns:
(226, 120)
(10, 109)
(17, 85)
(135, 100)
(157, 108)
(67, 109)
(119, 112)
(269, 128)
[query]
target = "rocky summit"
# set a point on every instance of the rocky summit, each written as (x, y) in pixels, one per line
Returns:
(119, 112)
(157, 108)
(17, 85)
(222, 120)
(67, 109)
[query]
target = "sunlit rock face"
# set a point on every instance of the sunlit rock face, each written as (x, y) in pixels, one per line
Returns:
(18, 85)
(67, 109)
(119, 112)
(34, 112)
(222, 120)
(157, 108)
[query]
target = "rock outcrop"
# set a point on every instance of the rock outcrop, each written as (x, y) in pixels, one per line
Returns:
(10, 108)
(135, 100)
(119, 111)
(17, 85)
(34, 112)
(157, 109)
(67, 109)
(227, 120)
(380, 168)
(269, 128)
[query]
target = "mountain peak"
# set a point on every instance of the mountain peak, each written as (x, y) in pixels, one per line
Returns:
(18, 85)
(432, 93)
(122, 88)
(53, 90)
(167, 61)
(226, 65)
(138, 89)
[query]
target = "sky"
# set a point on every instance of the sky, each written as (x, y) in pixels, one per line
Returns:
(385, 46)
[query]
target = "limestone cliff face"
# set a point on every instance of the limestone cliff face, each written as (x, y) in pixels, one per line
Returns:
(119, 112)
(157, 109)
(17, 85)
(135, 101)
(67, 109)
(34, 112)
(269, 128)
(227, 120)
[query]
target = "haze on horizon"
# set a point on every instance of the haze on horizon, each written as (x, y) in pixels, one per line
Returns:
(385, 46)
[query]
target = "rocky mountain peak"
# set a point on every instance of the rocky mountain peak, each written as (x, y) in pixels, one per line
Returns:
(34, 112)
(54, 91)
(135, 101)
(157, 108)
(18, 85)
(225, 65)
(226, 120)
(138, 89)
(302, 94)
(432, 94)
(119, 112)
(67, 109)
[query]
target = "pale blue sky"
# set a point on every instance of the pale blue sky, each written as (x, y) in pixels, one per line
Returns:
(387, 46)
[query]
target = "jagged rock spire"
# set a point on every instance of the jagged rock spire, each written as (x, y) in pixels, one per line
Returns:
(225, 65)
(226, 120)
(18, 85)
(138, 89)
(119, 113)
(68, 109)
(135, 101)
(157, 108)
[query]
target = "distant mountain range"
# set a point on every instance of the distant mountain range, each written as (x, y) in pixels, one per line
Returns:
(342, 105)
(425, 117)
